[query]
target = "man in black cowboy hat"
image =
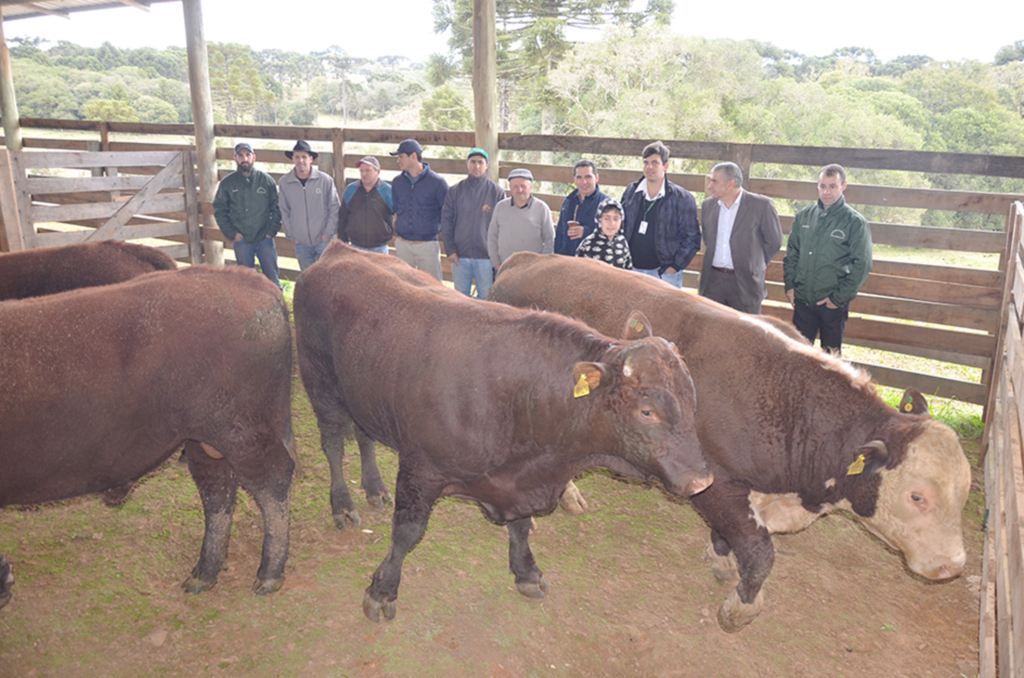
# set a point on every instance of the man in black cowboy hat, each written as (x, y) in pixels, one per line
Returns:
(309, 206)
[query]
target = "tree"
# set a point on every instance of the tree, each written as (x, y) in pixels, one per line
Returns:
(111, 110)
(1009, 53)
(440, 69)
(445, 110)
(531, 38)
(235, 82)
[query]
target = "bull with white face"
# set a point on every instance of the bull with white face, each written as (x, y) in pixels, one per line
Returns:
(790, 432)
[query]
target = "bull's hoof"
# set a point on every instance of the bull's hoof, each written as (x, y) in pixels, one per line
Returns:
(533, 590)
(734, 614)
(372, 608)
(346, 519)
(6, 581)
(379, 501)
(267, 586)
(116, 496)
(572, 500)
(725, 568)
(196, 585)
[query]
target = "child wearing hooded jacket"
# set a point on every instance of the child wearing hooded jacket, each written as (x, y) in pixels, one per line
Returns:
(607, 243)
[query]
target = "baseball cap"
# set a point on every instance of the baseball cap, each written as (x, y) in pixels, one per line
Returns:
(369, 160)
(243, 146)
(520, 174)
(478, 151)
(409, 146)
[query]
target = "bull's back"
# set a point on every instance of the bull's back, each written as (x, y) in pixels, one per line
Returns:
(415, 363)
(100, 385)
(51, 270)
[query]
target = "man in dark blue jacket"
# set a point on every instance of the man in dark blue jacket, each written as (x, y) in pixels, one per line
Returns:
(418, 195)
(578, 217)
(660, 221)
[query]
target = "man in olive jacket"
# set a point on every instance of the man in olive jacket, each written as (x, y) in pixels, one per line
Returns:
(828, 259)
(247, 213)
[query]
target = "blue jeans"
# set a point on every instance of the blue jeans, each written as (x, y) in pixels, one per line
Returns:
(674, 279)
(383, 249)
(467, 269)
(246, 254)
(307, 255)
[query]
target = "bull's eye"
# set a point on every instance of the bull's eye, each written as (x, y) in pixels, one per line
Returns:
(649, 416)
(916, 498)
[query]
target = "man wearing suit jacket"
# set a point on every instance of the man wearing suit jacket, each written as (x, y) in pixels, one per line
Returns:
(741, 235)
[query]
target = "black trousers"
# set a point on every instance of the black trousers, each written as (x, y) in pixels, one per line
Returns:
(820, 319)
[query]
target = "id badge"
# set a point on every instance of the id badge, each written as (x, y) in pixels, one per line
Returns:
(643, 228)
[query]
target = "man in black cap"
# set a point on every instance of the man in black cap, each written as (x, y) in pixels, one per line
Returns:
(464, 221)
(246, 211)
(309, 206)
(418, 194)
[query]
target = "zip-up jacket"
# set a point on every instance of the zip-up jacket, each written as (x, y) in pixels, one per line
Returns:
(574, 209)
(418, 204)
(828, 254)
(247, 205)
(678, 236)
(308, 212)
(367, 218)
(467, 215)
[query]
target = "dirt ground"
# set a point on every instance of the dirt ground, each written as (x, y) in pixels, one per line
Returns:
(97, 593)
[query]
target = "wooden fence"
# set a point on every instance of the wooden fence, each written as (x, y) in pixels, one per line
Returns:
(1001, 636)
(944, 313)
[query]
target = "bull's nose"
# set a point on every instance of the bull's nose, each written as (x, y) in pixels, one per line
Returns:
(698, 483)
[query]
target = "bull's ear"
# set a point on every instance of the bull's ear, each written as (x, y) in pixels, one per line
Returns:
(870, 458)
(637, 327)
(913, 402)
(586, 377)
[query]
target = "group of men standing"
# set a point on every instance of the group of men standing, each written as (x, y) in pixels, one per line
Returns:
(827, 260)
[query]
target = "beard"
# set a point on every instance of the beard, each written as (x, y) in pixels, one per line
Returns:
(245, 167)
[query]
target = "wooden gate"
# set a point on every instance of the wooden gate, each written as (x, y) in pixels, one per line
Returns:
(126, 196)
(1001, 637)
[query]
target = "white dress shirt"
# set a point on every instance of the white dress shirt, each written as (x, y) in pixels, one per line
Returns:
(726, 219)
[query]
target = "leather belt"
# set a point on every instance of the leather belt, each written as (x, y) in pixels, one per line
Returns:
(730, 271)
(412, 241)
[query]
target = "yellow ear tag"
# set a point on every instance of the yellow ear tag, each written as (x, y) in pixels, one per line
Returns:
(909, 407)
(857, 467)
(582, 387)
(639, 327)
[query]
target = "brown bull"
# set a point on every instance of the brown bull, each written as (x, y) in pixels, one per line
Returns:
(99, 386)
(790, 431)
(481, 401)
(49, 270)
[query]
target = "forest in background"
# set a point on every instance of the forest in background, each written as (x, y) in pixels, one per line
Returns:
(638, 80)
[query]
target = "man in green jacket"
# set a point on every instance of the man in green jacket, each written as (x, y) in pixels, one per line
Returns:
(828, 259)
(246, 211)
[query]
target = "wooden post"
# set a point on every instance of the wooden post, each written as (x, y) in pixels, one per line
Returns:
(11, 238)
(338, 151)
(8, 102)
(485, 80)
(188, 177)
(202, 114)
(741, 156)
(1008, 260)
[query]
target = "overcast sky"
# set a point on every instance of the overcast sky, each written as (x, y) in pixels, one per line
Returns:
(405, 27)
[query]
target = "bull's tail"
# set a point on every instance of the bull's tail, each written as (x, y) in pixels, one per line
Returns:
(293, 449)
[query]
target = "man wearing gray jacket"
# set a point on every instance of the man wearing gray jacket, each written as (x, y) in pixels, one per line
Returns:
(466, 215)
(309, 206)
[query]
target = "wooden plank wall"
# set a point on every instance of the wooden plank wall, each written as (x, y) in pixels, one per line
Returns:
(945, 313)
(1001, 632)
